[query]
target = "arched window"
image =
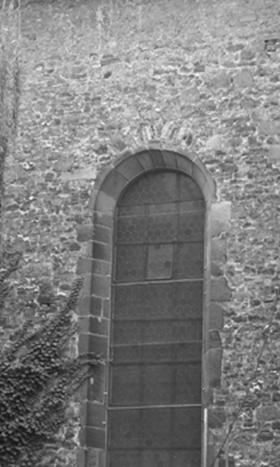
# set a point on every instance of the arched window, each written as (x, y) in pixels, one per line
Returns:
(150, 307)
(154, 404)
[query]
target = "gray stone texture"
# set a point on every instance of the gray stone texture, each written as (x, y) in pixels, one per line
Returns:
(201, 75)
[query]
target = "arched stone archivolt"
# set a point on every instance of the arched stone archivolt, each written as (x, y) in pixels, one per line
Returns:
(96, 267)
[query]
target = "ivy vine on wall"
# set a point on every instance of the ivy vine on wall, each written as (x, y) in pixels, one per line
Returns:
(37, 378)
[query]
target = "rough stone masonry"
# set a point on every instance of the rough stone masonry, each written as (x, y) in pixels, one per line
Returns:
(99, 78)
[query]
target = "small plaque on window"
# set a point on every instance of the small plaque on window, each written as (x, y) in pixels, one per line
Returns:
(160, 260)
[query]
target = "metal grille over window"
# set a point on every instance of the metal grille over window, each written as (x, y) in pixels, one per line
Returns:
(154, 406)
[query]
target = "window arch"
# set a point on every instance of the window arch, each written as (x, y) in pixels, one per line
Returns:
(154, 392)
(146, 308)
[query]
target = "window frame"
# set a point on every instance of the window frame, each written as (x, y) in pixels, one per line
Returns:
(95, 297)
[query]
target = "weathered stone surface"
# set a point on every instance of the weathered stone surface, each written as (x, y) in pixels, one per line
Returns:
(216, 143)
(213, 362)
(268, 413)
(220, 291)
(274, 153)
(215, 89)
(84, 232)
(218, 250)
(88, 173)
(216, 318)
(216, 417)
(221, 80)
(220, 217)
(214, 339)
(243, 79)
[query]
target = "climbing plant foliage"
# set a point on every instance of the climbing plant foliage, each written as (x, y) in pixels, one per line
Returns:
(37, 378)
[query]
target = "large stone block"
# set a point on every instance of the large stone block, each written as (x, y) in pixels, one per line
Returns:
(218, 250)
(220, 291)
(216, 316)
(84, 265)
(130, 168)
(81, 457)
(105, 203)
(213, 367)
(268, 413)
(92, 437)
(84, 232)
(100, 285)
(274, 153)
(113, 184)
(214, 339)
(220, 217)
(94, 325)
(95, 414)
(244, 79)
(216, 417)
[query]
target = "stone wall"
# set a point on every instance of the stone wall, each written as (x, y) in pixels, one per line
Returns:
(101, 77)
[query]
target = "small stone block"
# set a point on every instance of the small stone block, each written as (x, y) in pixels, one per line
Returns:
(145, 160)
(101, 267)
(220, 217)
(216, 318)
(84, 305)
(214, 339)
(211, 453)
(130, 168)
(84, 232)
(93, 457)
(102, 234)
(213, 364)
(96, 306)
(83, 345)
(170, 159)
(216, 270)
(87, 285)
(100, 286)
(105, 202)
(102, 459)
(185, 164)
(96, 386)
(274, 153)
(81, 457)
(83, 392)
(157, 157)
(94, 325)
(97, 345)
(218, 250)
(114, 183)
(203, 181)
(106, 309)
(220, 292)
(103, 218)
(226, 462)
(84, 265)
(93, 437)
(95, 414)
(268, 413)
(244, 79)
(101, 251)
(216, 417)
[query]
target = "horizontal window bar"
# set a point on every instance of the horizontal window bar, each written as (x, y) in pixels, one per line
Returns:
(155, 320)
(163, 344)
(137, 449)
(155, 406)
(158, 281)
(155, 362)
